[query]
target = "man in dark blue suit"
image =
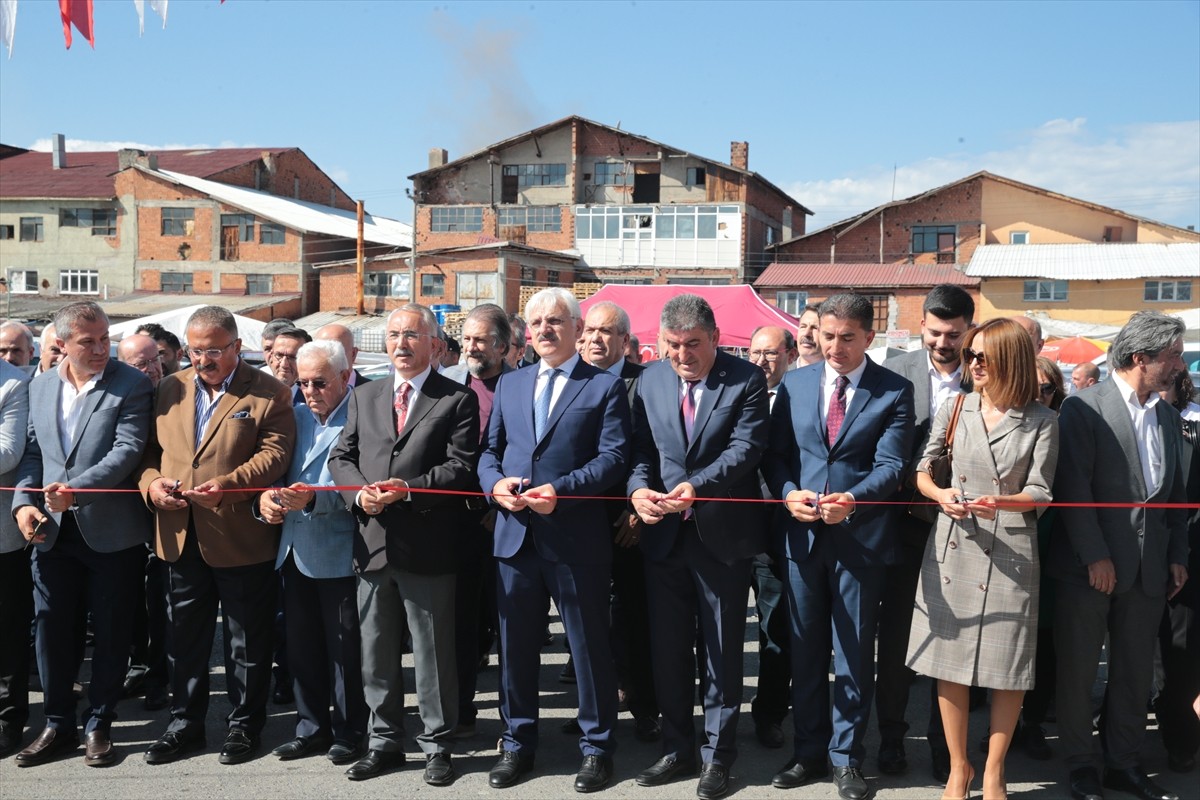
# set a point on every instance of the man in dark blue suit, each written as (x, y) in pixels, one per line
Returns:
(841, 434)
(700, 428)
(558, 431)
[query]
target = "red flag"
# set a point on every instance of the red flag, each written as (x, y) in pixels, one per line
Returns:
(79, 14)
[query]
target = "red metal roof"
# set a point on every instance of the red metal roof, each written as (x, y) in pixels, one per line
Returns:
(863, 275)
(91, 174)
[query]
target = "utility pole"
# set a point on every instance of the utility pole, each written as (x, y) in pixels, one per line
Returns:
(358, 293)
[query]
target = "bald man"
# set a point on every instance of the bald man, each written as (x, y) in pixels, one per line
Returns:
(51, 352)
(1085, 375)
(16, 344)
(141, 352)
(1034, 329)
(335, 332)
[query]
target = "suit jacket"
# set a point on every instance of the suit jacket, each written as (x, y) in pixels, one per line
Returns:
(868, 459)
(14, 431)
(248, 445)
(583, 453)
(1098, 463)
(728, 439)
(110, 439)
(321, 541)
(436, 450)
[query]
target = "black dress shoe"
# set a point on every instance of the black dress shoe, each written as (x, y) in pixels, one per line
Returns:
(134, 683)
(156, 699)
(665, 770)
(98, 749)
(850, 783)
(798, 773)
(1135, 781)
(375, 762)
(438, 769)
(647, 729)
(1033, 741)
(770, 734)
(714, 782)
(10, 737)
(171, 746)
(1085, 784)
(344, 752)
(571, 727)
(240, 746)
(892, 760)
(939, 762)
(509, 769)
(302, 746)
(49, 745)
(594, 774)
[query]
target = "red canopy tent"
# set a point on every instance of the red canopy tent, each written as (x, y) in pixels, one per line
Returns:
(738, 309)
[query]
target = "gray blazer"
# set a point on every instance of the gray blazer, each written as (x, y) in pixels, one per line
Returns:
(109, 441)
(1099, 463)
(14, 422)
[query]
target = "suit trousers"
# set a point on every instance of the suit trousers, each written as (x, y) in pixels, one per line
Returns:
(65, 577)
(631, 632)
(832, 606)
(1082, 617)
(774, 695)
(691, 585)
(325, 655)
(474, 589)
(148, 656)
(247, 597)
(1179, 641)
(16, 614)
(525, 584)
(387, 598)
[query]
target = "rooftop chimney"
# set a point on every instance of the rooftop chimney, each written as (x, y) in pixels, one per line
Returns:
(128, 157)
(58, 151)
(437, 157)
(739, 154)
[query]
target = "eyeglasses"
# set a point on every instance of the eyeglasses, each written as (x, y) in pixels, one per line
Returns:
(315, 383)
(553, 322)
(1046, 388)
(970, 355)
(764, 355)
(142, 366)
(277, 356)
(211, 353)
(408, 336)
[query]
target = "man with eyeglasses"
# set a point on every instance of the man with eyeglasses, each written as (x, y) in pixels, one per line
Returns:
(418, 431)
(282, 361)
(773, 350)
(221, 427)
(169, 350)
(141, 352)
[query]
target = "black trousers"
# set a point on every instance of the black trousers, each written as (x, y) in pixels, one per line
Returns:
(148, 655)
(630, 632)
(16, 614)
(1179, 638)
(774, 696)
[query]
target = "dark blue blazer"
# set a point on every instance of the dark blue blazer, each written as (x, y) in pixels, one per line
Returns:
(584, 453)
(868, 460)
(728, 440)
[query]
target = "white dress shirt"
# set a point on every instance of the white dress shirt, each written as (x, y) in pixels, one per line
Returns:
(942, 386)
(70, 405)
(1147, 432)
(560, 381)
(829, 385)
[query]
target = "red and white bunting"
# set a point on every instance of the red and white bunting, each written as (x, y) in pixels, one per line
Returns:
(79, 14)
(157, 6)
(8, 23)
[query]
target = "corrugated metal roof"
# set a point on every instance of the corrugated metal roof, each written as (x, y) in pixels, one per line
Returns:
(1065, 262)
(297, 214)
(90, 174)
(863, 275)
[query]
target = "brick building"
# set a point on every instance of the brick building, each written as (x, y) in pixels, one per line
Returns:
(578, 201)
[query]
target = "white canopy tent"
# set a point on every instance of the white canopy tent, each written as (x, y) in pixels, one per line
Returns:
(249, 330)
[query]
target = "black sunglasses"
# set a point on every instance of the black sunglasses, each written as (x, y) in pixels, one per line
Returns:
(316, 383)
(1046, 388)
(970, 355)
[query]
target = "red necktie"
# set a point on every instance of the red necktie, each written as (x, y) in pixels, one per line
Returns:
(402, 406)
(837, 409)
(689, 409)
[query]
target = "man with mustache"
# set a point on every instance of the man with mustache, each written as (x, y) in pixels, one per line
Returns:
(809, 352)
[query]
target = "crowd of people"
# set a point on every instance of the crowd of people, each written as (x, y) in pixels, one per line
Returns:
(952, 513)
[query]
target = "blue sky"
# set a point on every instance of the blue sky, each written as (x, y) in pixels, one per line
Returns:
(839, 101)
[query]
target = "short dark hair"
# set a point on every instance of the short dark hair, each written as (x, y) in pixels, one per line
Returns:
(214, 317)
(160, 335)
(72, 314)
(685, 312)
(294, 333)
(496, 318)
(947, 301)
(849, 306)
(452, 345)
(272, 328)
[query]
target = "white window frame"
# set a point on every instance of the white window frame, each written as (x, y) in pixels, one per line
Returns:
(1013, 236)
(1156, 287)
(1045, 291)
(791, 302)
(87, 281)
(21, 286)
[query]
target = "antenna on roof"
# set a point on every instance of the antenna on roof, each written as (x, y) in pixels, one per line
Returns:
(893, 182)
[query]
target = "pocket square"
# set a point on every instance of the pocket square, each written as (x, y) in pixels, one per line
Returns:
(241, 415)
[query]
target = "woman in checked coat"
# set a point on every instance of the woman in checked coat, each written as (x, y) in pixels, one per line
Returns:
(975, 622)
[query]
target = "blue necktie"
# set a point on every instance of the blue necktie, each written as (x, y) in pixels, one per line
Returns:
(541, 408)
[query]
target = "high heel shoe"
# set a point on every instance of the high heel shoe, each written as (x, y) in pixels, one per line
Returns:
(966, 795)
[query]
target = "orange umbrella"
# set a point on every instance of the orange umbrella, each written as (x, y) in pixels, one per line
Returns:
(1075, 350)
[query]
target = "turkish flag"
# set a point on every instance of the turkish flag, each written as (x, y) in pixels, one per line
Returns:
(79, 14)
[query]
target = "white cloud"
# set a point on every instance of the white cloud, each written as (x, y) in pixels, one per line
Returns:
(95, 146)
(1150, 170)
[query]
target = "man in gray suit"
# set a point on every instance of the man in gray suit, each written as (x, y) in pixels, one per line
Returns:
(16, 581)
(1115, 567)
(89, 422)
(936, 373)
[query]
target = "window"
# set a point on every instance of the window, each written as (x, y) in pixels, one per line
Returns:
(178, 221)
(535, 219)
(1167, 291)
(1045, 291)
(102, 221)
(1112, 233)
(536, 174)
(881, 303)
(456, 219)
(695, 176)
(385, 284)
(176, 282)
(612, 174)
(791, 302)
(433, 285)
(528, 276)
(31, 229)
(259, 284)
(244, 224)
(552, 277)
(270, 233)
(8, 232)
(22, 281)
(1018, 237)
(79, 281)
(934, 239)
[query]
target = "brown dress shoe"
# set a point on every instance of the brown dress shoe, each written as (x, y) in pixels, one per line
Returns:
(49, 745)
(99, 749)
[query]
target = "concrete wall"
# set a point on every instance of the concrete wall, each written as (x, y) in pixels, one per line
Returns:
(69, 248)
(1048, 220)
(1109, 302)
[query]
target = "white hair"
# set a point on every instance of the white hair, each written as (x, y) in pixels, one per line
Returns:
(329, 350)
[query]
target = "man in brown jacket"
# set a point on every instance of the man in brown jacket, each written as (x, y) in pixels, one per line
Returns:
(220, 427)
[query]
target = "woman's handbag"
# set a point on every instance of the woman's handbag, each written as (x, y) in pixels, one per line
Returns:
(920, 506)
